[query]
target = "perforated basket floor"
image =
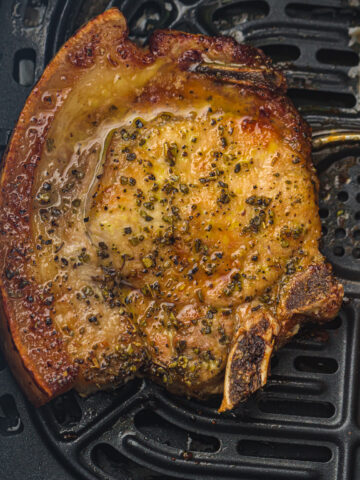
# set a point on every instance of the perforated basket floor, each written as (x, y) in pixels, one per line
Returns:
(305, 424)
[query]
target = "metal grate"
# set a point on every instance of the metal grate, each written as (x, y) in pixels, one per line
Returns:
(306, 423)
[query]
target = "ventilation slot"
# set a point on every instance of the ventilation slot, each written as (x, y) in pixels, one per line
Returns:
(113, 463)
(160, 430)
(340, 233)
(323, 212)
(337, 57)
(310, 338)
(149, 16)
(343, 196)
(290, 451)
(282, 384)
(202, 443)
(34, 13)
(319, 13)
(282, 53)
(228, 17)
(24, 67)
(212, 403)
(66, 409)
(339, 251)
(279, 406)
(316, 364)
(320, 98)
(10, 422)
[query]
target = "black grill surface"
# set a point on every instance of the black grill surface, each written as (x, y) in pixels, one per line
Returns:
(306, 423)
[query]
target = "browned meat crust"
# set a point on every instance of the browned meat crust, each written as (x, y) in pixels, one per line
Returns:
(227, 312)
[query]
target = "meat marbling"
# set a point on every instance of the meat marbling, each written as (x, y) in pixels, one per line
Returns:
(158, 218)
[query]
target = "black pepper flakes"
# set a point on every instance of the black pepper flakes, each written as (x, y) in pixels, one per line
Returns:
(49, 300)
(224, 198)
(93, 319)
(184, 188)
(145, 216)
(124, 134)
(223, 184)
(9, 273)
(197, 245)
(192, 271)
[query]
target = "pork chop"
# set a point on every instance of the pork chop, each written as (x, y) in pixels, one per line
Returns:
(159, 218)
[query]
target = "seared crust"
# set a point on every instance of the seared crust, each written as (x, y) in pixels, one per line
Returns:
(219, 57)
(314, 293)
(34, 343)
(248, 363)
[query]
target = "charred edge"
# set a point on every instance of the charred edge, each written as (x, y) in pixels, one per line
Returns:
(269, 79)
(316, 288)
(245, 373)
(170, 42)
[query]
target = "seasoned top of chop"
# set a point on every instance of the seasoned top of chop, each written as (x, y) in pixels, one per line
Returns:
(159, 211)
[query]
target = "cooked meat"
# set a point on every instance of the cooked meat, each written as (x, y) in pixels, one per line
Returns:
(159, 218)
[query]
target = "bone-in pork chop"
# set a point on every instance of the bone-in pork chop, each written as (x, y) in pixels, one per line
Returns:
(159, 218)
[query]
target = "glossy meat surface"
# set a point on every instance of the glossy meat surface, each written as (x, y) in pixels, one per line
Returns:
(159, 218)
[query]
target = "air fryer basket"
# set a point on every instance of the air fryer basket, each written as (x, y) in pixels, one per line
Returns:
(305, 423)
